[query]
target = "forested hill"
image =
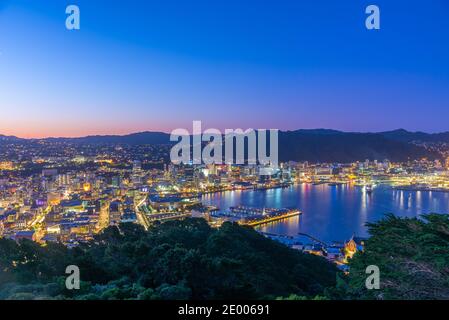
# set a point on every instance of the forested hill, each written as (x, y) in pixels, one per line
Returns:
(190, 260)
(336, 146)
(175, 260)
(412, 256)
(318, 145)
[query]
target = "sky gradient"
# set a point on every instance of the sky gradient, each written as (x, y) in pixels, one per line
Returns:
(159, 65)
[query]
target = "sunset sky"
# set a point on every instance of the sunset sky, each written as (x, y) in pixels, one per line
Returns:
(159, 65)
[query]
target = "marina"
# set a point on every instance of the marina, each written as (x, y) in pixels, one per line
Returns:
(253, 216)
(332, 213)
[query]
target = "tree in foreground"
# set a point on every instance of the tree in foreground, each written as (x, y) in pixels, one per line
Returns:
(174, 260)
(412, 256)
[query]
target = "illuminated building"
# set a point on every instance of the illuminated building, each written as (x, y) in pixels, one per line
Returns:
(86, 187)
(6, 165)
(115, 213)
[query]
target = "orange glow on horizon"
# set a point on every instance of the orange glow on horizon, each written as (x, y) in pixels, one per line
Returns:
(42, 131)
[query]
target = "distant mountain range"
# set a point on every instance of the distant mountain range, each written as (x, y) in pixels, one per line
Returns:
(132, 139)
(407, 136)
(317, 145)
(336, 146)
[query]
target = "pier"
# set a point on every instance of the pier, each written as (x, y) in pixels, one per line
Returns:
(257, 216)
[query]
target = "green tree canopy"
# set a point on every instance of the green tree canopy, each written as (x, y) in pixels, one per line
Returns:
(412, 256)
(175, 260)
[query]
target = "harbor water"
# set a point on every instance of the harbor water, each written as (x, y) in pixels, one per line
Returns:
(332, 213)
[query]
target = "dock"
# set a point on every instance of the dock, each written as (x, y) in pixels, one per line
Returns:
(251, 216)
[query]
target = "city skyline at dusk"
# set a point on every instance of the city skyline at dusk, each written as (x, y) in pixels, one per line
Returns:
(157, 67)
(222, 159)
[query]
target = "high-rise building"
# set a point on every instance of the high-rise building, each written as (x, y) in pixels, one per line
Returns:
(115, 212)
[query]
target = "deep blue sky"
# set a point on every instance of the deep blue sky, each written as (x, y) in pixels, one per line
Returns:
(159, 65)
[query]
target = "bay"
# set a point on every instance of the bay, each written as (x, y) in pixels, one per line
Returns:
(333, 213)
